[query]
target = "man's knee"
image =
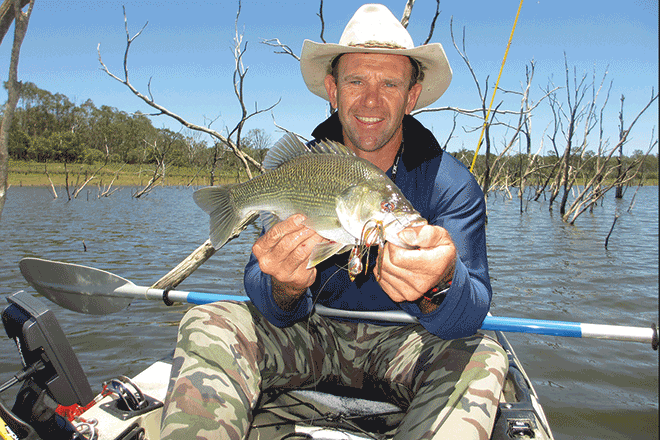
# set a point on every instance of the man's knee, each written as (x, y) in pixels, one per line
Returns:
(220, 314)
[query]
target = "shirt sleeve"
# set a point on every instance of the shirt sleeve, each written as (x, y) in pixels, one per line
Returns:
(459, 207)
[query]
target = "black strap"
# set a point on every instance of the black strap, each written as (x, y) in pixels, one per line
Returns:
(166, 299)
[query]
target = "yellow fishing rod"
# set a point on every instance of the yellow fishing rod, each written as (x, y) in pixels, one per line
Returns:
(492, 99)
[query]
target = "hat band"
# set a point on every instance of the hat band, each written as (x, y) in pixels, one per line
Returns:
(376, 45)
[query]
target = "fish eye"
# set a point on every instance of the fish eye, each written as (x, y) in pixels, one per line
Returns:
(387, 206)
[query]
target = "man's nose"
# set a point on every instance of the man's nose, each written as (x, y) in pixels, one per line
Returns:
(371, 96)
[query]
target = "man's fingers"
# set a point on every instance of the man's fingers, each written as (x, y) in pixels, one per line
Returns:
(275, 234)
(284, 250)
(426, 236)
(407, 274)
(398, 281)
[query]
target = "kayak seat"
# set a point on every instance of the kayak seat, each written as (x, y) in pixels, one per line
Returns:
(337, 410)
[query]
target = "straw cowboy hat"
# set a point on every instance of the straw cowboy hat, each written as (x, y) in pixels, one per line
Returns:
(374, 29)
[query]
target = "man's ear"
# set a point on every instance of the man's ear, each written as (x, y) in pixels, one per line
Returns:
(331, 88)
(413, 96)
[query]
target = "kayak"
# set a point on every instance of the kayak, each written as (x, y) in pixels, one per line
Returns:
(131, 408)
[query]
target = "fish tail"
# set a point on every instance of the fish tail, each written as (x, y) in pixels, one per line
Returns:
(226, 221)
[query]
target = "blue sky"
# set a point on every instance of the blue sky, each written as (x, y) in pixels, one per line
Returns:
(187, 51)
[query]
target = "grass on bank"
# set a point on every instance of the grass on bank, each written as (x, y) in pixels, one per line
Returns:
(30, 173)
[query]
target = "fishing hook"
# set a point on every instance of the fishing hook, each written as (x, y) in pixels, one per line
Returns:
(372, 233)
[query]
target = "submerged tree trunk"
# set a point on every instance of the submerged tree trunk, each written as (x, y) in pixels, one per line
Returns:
(619, 187)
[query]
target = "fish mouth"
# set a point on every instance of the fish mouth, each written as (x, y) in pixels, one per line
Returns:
(398, 223)
(378, 231)
(406, 220)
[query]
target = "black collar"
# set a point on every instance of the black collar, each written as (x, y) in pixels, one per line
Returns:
(421, 145)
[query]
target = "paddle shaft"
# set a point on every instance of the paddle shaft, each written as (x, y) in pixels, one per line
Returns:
(98, 292)
(495, 323)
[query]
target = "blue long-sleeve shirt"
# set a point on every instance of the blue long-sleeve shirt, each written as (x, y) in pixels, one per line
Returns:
(447, 195)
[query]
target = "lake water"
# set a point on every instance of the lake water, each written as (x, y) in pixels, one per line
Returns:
(540, 268)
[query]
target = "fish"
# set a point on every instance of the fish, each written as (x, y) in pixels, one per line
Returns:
(347, 200)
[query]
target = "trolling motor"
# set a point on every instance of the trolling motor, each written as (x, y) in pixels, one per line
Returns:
(51, 375)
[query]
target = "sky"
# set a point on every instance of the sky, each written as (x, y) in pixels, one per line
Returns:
(186, 50)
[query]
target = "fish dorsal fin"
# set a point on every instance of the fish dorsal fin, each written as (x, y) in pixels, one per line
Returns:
(290, 146)
(330, 147)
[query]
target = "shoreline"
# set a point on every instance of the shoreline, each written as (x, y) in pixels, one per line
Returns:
(37, 174)
(22, 173)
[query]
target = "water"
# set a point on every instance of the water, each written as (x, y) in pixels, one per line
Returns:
(540, 268)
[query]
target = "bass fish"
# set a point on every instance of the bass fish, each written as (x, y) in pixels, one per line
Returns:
(345, 199)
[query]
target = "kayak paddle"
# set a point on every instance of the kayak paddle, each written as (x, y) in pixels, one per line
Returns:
(93, 291)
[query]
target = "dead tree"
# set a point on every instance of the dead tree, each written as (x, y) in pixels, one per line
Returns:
(521, 128)
(573, 116)
(158, 152)
(52, 187)
(94, 174)
(106, 190)
(485, 179)
(239, 78)
(594, 189)
(11, 10)
(619, 188)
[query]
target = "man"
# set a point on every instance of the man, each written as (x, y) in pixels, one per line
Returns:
(448, 378)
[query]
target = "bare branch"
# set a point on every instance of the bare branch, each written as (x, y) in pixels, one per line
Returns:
(239, 79)
(464, 56)
(407, 11)
(451, 132)
(286, 130)
(285, 50)
(320, 15)
(435, 18)
(245, 158)
(475, 113)
(129, 41)
(7, 11)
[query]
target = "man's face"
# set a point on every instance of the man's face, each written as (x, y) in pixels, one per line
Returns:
(371, 96)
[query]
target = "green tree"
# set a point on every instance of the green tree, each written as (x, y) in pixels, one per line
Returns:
(19, 144)
(40, 149)
(66, 147)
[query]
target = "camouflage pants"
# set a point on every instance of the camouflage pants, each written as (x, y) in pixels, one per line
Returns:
(227, 353)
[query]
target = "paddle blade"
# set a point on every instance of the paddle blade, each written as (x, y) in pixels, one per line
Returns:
(79, 288)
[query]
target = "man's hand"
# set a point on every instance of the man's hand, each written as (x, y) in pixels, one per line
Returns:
(283, 253)
(407, 274)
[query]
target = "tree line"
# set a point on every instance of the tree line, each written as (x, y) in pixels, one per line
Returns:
(49, 127)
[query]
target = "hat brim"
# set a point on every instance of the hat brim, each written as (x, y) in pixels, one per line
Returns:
(315, 60)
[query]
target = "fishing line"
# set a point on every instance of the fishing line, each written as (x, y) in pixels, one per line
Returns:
(492, 98)
(310, 347)
(313, 421)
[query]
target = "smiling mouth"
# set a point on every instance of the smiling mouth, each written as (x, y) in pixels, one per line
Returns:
(367, 120)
